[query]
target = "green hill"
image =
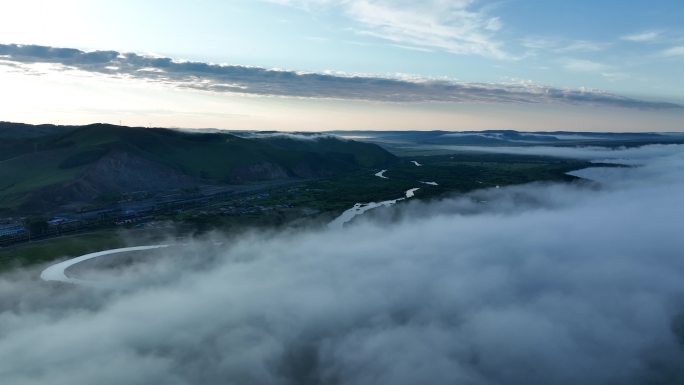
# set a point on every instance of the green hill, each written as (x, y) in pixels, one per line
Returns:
(56, 165)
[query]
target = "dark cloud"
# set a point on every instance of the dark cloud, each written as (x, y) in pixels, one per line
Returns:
(260, 81)
(542, 284)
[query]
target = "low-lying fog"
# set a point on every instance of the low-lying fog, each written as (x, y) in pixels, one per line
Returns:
(536, 284)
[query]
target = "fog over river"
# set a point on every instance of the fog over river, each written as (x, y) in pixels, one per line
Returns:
(546, 283)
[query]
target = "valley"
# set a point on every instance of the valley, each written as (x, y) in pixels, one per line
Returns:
(126, 191)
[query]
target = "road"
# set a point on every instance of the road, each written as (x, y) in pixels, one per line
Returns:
(57, 272)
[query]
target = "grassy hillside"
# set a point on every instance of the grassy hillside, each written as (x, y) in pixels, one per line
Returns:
(11, 130)
(81, 163)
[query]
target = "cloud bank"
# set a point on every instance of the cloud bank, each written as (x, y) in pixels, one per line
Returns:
(619, 155)
(534, 284)
(261, 81)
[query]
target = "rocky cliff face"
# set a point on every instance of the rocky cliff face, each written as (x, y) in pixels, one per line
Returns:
(259, 171)
(115, 173)
(124, 171)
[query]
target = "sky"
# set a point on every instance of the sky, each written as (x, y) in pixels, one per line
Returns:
(380, 64)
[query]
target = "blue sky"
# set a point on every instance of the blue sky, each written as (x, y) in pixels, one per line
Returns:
(633, 49)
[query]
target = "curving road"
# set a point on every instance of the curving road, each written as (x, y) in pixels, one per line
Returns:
(57, 272)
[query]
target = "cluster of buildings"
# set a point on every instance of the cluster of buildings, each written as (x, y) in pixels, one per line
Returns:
(11, 228)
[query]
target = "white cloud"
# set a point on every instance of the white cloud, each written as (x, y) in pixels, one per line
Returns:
(674, 51)
(580, 46)
(412, 48)
(642, 36)
(581, 65)
(561, 45)
(494, 24)
(452, 26)
(539, 43)
(615, 76)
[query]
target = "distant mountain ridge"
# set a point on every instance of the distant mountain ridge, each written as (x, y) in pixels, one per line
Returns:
(46, 165)
(511, 137)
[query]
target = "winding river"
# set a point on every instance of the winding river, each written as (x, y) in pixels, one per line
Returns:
(361, 208)
(58, 273)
